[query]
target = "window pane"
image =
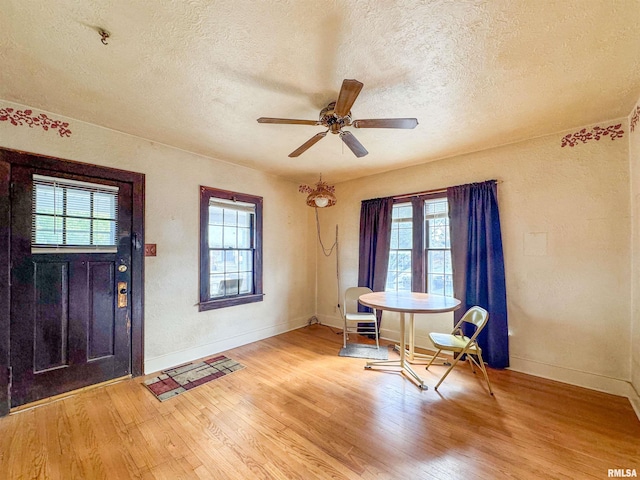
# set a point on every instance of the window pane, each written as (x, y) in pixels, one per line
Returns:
(244, 219)
(448, 285)
(244, 237)
(231, 261)
(435, 261)
(104, 206)
(78, 231)
(78, 203)
(405, 239)
(437, 233)
(216, 261)
(246, 282)
(104, 232)
(230, 217)
(216, 285)
(215, 216)
(394, 236)
(436, 284)
(215, 236)
(245, 261)
(230, 238)
(48, 230)
(49, 199)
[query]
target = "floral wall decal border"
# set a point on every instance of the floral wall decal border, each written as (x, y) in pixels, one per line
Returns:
(635, 117)
(596, 133)
(26, 117)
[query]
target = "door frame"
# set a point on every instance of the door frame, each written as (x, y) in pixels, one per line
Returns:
(137, 180)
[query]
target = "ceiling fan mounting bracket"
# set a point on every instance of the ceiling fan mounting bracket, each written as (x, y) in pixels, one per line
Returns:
(334, 122)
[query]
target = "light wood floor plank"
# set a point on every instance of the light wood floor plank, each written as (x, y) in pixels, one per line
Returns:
(299, 411)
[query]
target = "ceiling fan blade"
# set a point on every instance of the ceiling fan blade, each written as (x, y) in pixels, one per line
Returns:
(288, 121)
(348, 94)
(386, 123)
(309, 143)
(352, 142)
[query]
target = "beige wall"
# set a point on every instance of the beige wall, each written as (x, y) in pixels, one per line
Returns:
(634, 160)
(566, 233)
(569, 297)
(175, 332)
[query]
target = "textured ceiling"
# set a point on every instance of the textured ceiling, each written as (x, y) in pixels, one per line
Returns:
(196, 74)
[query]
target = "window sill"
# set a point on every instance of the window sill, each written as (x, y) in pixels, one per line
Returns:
(229, 302)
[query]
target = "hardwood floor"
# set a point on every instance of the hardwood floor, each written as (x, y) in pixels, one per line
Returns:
(299, 411)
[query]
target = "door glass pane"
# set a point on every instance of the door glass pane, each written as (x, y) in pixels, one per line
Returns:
(78, 231)
(48, 230)
(73, 214)
(78, 203)
(104, 206)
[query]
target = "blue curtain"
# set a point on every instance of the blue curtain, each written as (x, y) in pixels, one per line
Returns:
(478, 263)
(375, 240)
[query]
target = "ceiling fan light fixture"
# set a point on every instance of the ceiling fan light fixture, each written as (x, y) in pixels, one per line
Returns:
(322, 196)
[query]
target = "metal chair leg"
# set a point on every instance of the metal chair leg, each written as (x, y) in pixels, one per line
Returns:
(484, 371)
(457, 359)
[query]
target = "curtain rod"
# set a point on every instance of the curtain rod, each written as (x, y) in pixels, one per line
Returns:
(431, 192)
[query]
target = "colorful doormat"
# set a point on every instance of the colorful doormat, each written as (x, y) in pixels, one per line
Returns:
(178, 380)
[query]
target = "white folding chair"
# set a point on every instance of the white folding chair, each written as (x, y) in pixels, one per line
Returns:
(356, 322)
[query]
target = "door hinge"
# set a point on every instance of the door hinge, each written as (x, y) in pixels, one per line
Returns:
(10, 379)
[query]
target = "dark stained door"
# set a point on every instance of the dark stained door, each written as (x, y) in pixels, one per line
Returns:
(67, 327)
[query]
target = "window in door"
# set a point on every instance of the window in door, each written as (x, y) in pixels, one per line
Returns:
(73, 216)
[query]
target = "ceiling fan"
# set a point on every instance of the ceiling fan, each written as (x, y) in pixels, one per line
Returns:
(337, 115)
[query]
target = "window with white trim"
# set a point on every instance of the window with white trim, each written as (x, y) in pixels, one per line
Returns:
(420, 249)
(437, 247)
(399, 276)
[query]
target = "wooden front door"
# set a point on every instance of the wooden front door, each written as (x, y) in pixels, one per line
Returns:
(70, 309)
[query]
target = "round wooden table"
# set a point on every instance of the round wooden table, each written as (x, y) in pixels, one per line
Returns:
(411, 303)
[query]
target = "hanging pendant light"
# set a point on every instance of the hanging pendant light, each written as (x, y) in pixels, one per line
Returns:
(323, 195)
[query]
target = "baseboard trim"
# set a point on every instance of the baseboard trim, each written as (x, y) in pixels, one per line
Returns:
(592, 381)
(634, 398)
(168, 360)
